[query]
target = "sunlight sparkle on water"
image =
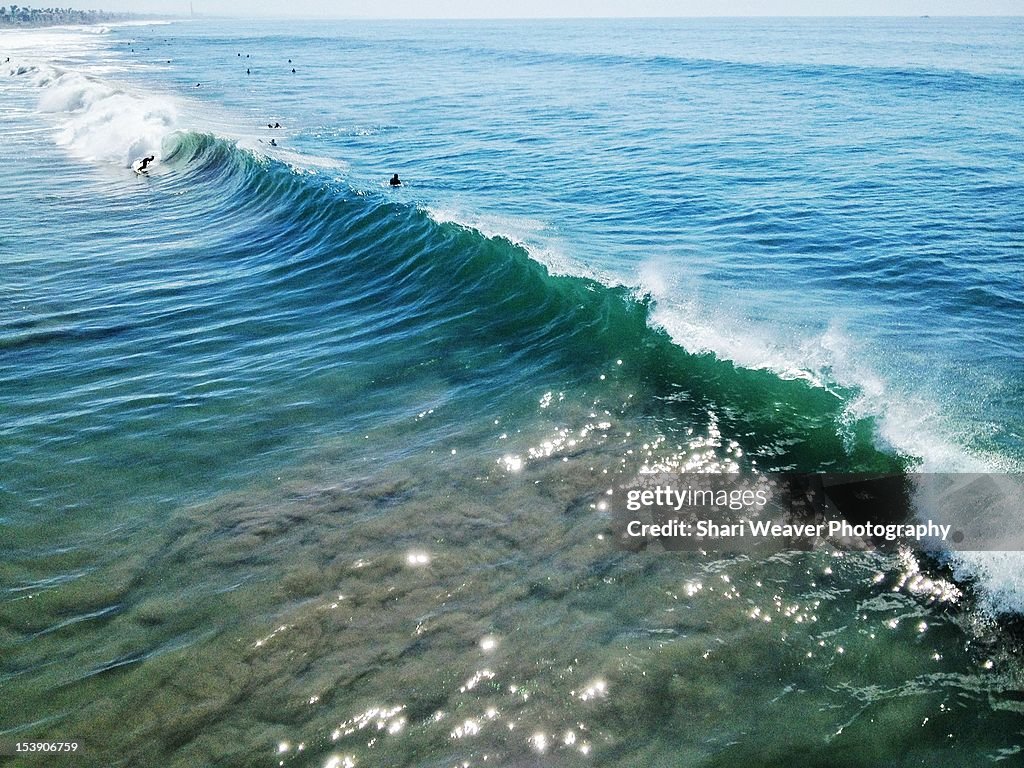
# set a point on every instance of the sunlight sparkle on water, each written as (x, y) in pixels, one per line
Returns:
(512, 463)
(469, 727)
(597, 689)
(417, 558)
(483, 674)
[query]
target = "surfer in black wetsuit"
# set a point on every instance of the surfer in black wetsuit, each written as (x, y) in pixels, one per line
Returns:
(146, 161)
(395, 181)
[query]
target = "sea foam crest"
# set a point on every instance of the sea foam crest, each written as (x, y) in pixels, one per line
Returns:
(913, 423)
(1000, 577)
(102, 122)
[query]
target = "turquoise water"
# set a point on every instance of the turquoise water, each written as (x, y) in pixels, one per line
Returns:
(293, 459)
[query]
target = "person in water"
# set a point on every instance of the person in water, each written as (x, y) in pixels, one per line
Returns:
(395, 181)
(146, 161)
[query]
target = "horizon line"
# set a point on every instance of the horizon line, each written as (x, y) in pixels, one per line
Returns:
(321, 17)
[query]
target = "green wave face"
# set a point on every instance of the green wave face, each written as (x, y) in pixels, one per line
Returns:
(366, 267)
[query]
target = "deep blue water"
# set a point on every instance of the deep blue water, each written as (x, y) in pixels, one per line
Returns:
(257, 379)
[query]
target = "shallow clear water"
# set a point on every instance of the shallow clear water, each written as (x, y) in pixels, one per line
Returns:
(300, 468)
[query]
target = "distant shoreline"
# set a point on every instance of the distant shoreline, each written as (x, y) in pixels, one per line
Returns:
(53, 17)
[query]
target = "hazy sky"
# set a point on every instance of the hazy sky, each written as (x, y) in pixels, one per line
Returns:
(565, 8)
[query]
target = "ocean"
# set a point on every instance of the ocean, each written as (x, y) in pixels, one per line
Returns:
(300, 469)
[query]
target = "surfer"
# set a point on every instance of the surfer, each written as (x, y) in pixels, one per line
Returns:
(273, 142)
(395, 181)
(141, 167)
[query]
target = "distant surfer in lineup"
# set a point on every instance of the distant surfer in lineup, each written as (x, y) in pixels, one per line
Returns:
(395, 181)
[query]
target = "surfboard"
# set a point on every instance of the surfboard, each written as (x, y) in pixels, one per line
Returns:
(137, 167)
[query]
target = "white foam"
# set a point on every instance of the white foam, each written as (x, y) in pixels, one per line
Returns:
(909, 422)
(1000, 576)
(103, 123)
(102, 120)
(532, 234)
(96, 119)
(698, 325)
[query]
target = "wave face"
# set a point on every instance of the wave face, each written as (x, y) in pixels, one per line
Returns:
(255, 383)
(287, 272)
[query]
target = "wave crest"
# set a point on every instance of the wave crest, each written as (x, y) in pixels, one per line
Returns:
(102, 122)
